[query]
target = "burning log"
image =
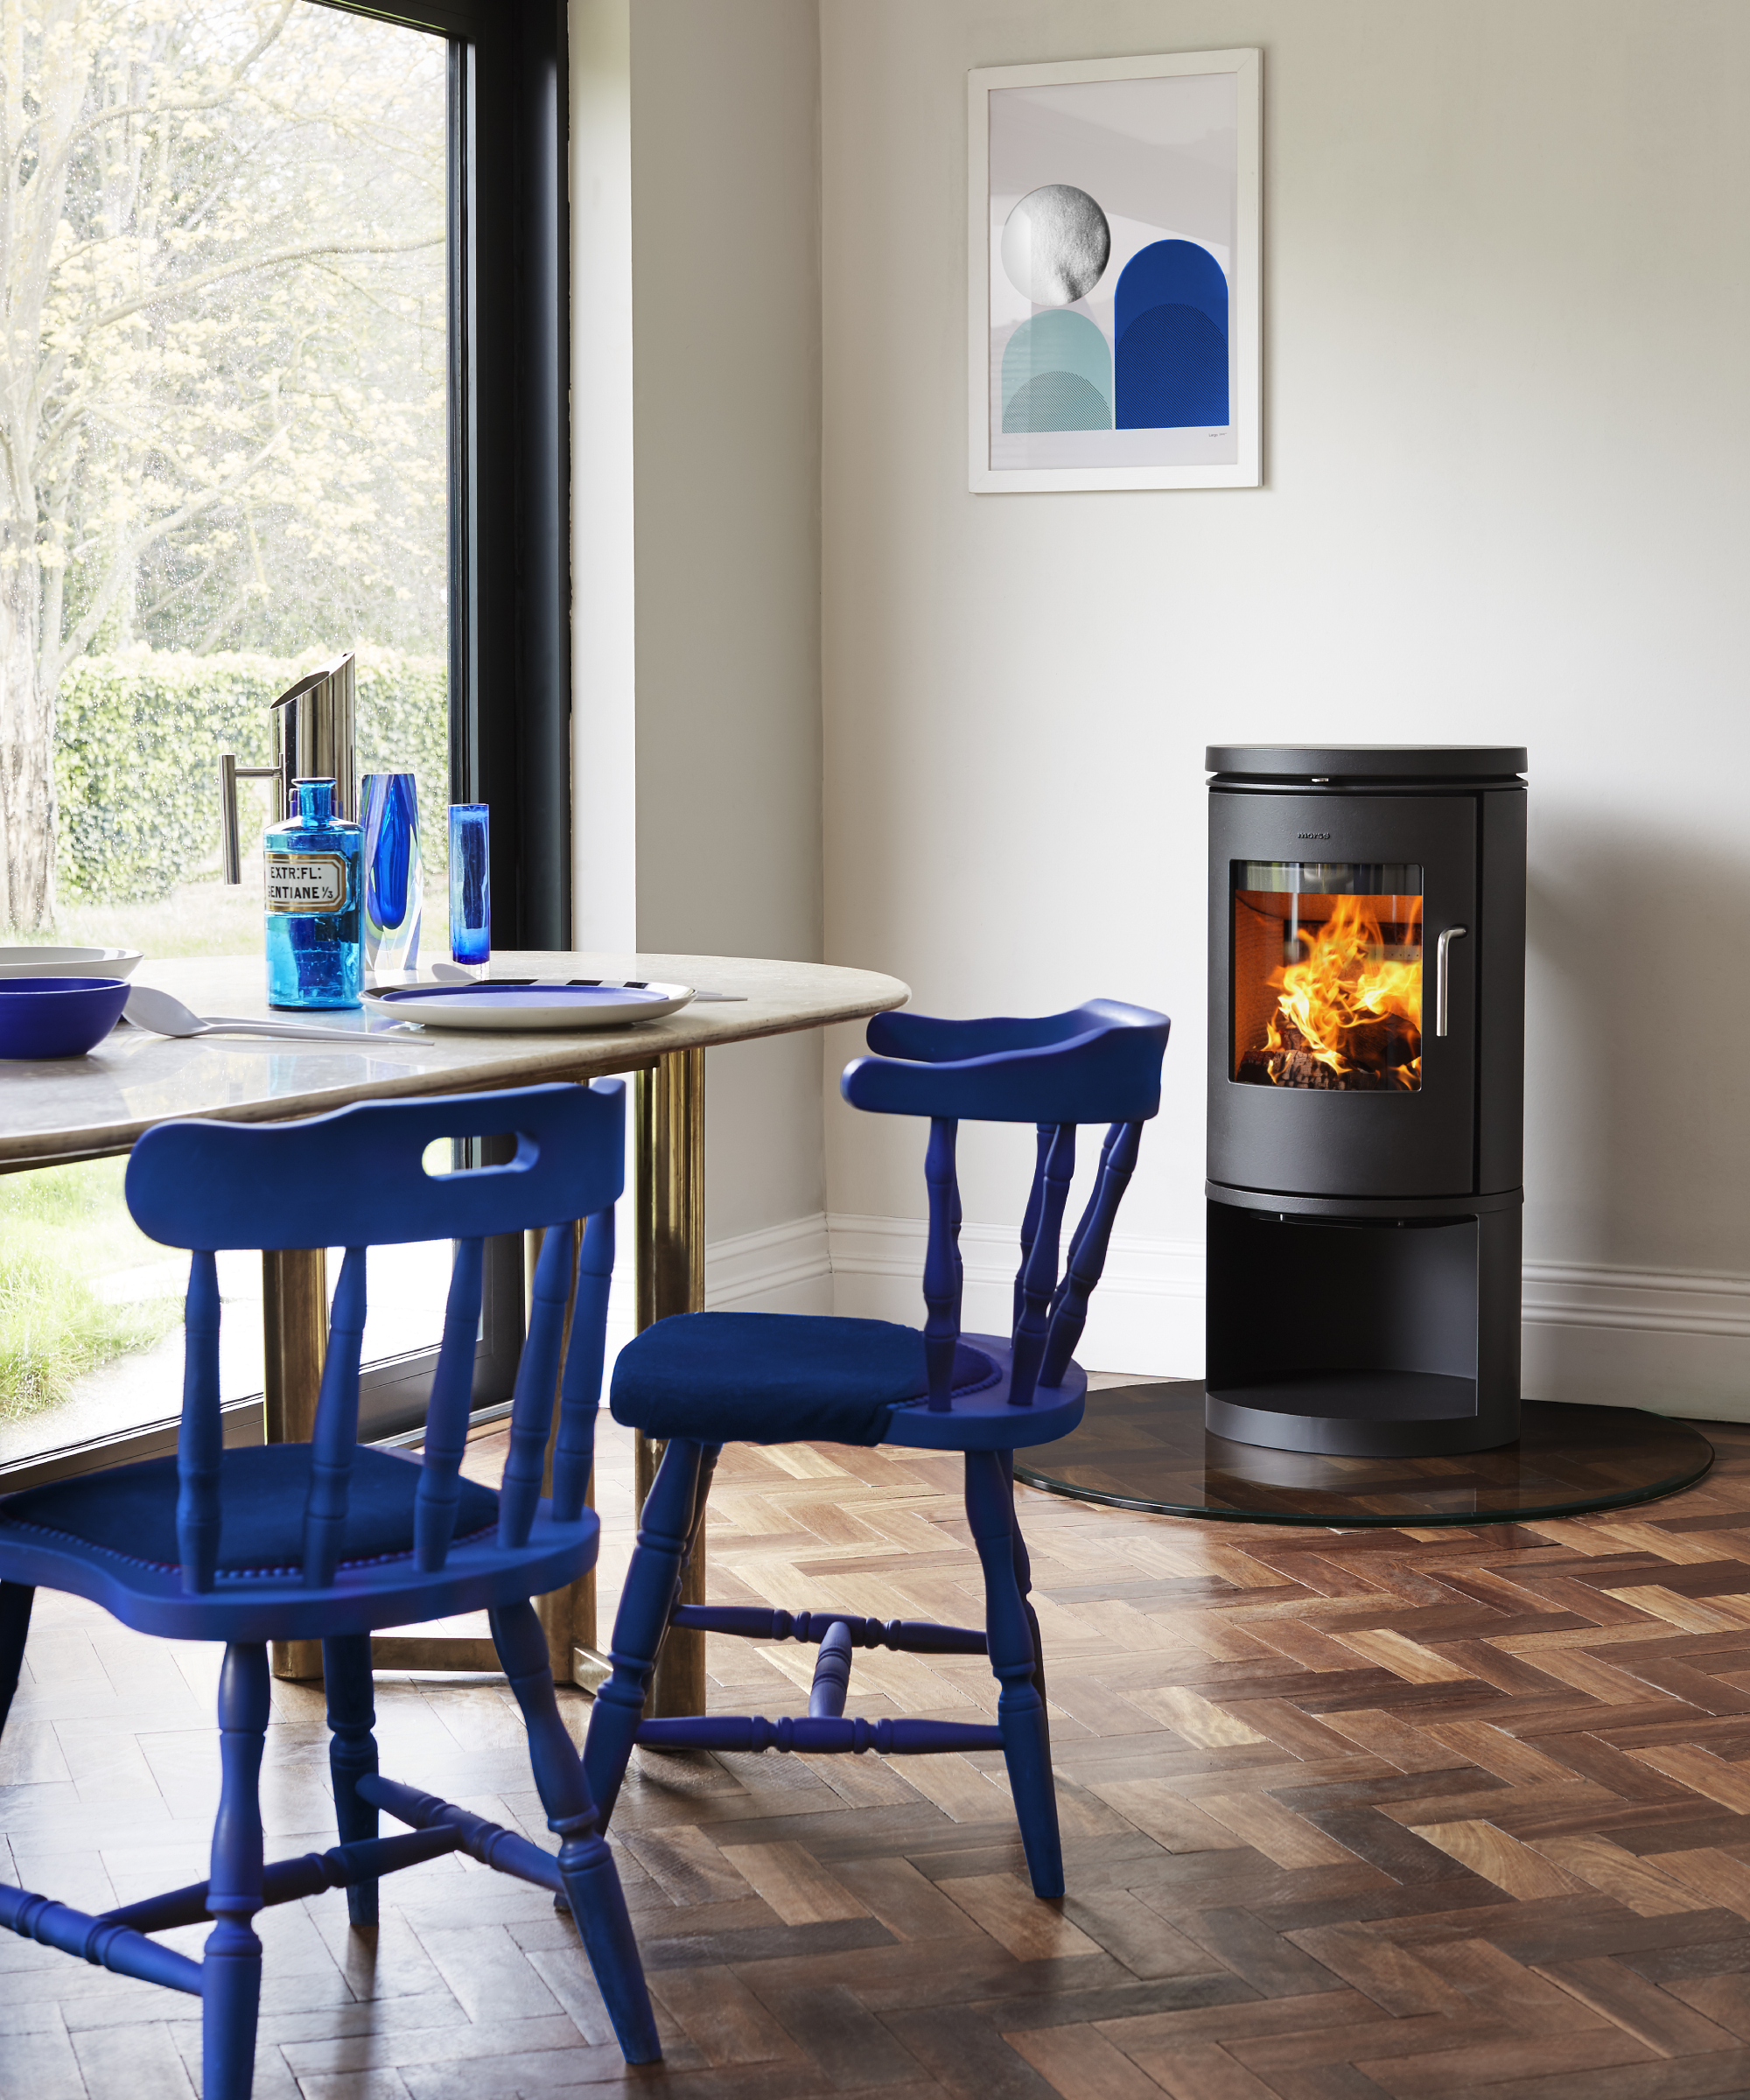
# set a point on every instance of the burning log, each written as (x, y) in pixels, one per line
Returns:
(1378, 1045)
(1301, 1068)
(1376, 1057)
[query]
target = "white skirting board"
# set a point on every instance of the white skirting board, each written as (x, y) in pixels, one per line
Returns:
(783, 1269)
(1146, 1316)
(1676, 1341)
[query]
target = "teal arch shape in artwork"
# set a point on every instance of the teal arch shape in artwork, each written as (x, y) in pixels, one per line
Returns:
(1057, 401)
(1057, 375)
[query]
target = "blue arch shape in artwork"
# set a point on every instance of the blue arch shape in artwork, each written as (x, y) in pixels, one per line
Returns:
(1172, 371)
(1171, 273)
(1057, 375)
(1170, 321)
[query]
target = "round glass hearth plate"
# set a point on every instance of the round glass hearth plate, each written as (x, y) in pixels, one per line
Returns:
(1144, 1447)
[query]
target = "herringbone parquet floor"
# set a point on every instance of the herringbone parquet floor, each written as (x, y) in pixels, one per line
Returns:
(1419, 1813)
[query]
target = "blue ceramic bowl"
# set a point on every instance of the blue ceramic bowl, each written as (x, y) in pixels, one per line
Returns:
(57, 1017)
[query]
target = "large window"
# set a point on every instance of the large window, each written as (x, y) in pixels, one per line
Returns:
(285, 377)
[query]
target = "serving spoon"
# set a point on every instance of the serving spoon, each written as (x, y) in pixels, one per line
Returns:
(158, 1012)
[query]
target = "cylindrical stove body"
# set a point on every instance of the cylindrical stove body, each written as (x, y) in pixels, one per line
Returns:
(1367, 964)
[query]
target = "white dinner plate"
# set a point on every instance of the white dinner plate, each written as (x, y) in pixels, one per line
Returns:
(583, 1003)
(68, 962)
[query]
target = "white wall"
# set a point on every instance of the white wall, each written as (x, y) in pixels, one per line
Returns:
(1508, 285)
(604, 574)
(696, 622)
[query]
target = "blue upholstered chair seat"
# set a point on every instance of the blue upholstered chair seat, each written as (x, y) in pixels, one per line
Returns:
(114, 1535)
(778, 1377)
(129, 1511)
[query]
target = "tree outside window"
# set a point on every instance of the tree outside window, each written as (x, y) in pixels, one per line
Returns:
(222, 407)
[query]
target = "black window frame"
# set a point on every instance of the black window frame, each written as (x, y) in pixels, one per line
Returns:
(510, 581)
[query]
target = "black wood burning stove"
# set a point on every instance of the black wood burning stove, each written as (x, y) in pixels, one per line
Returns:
(1367, 963)
(1367, 966)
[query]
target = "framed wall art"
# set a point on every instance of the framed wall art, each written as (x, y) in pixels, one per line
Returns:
(1114, 274)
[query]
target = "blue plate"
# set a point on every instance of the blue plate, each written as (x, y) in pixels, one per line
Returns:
(57, 1017)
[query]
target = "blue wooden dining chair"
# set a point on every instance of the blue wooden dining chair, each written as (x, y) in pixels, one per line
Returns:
(705, 1379)
(330, 1539)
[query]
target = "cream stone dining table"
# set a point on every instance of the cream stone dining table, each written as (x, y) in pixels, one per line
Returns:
(58, 1110)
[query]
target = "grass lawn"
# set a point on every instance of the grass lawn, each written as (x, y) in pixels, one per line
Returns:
(204, 917)
(63, 1228)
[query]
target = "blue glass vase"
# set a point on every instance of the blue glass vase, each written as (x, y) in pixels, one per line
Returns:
(394, 876)
(315, 887)
(470, 884)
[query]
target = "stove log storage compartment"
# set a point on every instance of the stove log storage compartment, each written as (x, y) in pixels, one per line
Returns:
(1367, 973)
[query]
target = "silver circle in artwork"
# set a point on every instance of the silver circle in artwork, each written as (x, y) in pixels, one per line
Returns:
(1056, 244)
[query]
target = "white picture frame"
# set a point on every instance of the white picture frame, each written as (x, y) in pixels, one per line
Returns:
(1177, 145)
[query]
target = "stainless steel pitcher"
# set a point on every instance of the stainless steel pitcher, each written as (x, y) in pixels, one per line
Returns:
(315, 736)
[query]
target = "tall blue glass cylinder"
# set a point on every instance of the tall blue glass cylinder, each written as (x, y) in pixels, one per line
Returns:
(470, 884)
(394, 876)
(315, 887)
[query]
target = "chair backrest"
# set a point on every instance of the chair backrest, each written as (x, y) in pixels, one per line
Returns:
(1099, 1063)
(356, 1178)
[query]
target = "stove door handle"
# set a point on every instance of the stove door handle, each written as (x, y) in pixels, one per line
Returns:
(1442, 1001)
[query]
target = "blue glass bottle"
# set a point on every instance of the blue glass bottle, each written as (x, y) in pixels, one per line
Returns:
(315, 884)
(470, 884)
(395, 875)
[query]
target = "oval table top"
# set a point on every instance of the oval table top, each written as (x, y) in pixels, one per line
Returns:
(62, 1109)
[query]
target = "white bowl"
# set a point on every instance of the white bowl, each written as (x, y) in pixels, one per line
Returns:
(68, 962)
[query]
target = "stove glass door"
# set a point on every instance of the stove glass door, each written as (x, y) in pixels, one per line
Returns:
(1327, 975)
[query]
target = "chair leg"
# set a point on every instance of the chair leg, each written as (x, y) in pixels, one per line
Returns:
(652, 1583)
(586, 1864)
(352, 1753)
(16, 1600)
(709, 1455)
(1024, 1577)
(231, 1969)
(1014, 1658)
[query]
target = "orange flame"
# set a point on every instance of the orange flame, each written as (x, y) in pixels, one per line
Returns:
(1348, 1006)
